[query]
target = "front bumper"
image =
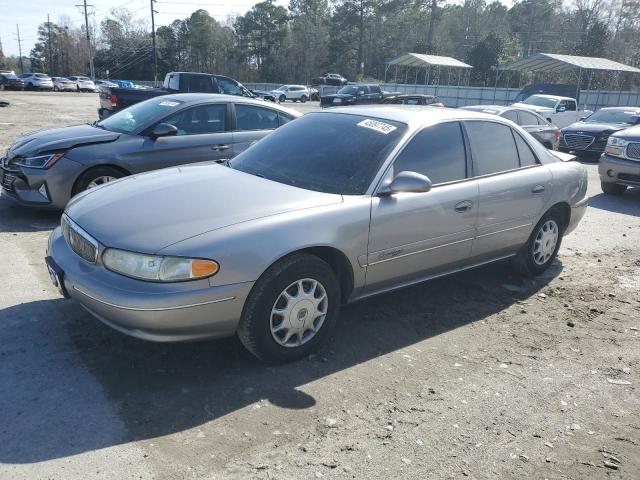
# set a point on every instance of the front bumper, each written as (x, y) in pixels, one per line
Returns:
(619, 170)
(24, 185)
(162, 312)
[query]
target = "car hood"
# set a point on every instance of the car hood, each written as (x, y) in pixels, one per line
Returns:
(632, 133)
(59, 139)
(150, 211)
(535, 108)
(595, 127)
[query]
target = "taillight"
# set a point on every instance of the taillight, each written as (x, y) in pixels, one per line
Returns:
(557, 133)
(115, 101)
(439, 104)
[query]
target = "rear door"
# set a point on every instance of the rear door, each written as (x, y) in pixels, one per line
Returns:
(375, 94)
(203, 135)
(513, 188)
(252, 122)
(414, 235)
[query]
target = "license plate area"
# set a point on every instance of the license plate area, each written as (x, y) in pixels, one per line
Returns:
(57, 276)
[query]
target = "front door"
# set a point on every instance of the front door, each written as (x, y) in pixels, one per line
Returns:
(513, 188)
(202, 136)
(415, 235)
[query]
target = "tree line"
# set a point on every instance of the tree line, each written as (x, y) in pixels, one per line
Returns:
(272, 43)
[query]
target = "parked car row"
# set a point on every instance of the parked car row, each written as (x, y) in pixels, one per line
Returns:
(330, 208)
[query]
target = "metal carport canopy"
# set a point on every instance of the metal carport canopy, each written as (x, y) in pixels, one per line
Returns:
(552, 62)
(423, 61)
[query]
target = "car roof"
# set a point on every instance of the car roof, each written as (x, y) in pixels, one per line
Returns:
(415, 116)
(195, 98)
(621, 109)
(552, 97)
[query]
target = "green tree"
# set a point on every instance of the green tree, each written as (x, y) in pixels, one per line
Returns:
(484, 57)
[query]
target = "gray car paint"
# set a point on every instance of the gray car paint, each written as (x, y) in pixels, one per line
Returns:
(88, 146)
(386, 241)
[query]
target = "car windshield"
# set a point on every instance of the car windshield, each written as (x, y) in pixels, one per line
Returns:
(348, 90)
(612, 116)
(135, 116)
(540, 101)
(324, 152)
(41, 75)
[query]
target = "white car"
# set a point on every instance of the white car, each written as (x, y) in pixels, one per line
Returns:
(561, 111)
(62, 84)
(105, 83)
(39, 81)
(292, 92)
(84, 84)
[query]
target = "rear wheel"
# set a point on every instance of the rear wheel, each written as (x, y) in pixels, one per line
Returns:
(542, 247)
(291, 309)
(613, 188)
(303, 99)
(282, 99)
(96, 177)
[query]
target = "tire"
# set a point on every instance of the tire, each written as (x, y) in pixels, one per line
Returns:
(56, 89)
(613, 188)
(303, 99)
(527, 261)
(282, 99)
(267, 295)
(85, 180)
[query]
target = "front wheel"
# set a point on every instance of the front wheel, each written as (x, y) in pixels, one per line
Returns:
(303, 99)
(291, 309)
(96, 177)
(282, 99)
(542, 247)
(613, 188)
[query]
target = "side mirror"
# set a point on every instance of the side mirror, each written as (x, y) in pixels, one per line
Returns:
(582, 119)
(561, 109)
(635, 119)
(408, 182)
(164, 130)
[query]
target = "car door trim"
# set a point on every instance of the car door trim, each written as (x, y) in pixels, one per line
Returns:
(503, 230)
(394, 256)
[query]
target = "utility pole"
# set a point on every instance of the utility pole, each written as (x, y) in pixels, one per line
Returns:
(50, 55)
(153, 40)
(86, 26)
(432, 24)
(20, 48)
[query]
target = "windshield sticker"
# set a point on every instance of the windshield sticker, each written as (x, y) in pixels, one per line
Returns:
(378, 126)
(166, 103)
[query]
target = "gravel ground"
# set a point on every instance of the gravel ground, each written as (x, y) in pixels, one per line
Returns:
(479, 375)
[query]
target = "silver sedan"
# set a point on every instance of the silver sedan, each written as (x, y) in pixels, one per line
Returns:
(331, 208)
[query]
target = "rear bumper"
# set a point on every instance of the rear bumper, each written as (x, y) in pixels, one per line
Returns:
(158, 312)
(577, 212)
(619, 171)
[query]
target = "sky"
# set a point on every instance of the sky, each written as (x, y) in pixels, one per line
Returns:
(29, 17)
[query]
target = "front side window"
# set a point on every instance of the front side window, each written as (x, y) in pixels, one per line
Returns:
(511, 115)
(249, 117)
(492, 147)
(229, 87)
(199, 120)
(200, 84)
(348, 90)
(137, 115)
(437, 152)
(375, 89)
(325, 152)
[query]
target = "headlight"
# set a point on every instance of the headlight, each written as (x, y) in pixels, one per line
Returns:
(157, 268)
(41, 161)
(615, 146)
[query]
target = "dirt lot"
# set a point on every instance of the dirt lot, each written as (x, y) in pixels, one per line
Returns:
(480, 375)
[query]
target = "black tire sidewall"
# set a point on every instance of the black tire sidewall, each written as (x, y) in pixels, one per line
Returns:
(255, 328)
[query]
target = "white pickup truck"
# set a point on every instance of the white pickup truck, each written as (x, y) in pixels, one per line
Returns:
(561, 111)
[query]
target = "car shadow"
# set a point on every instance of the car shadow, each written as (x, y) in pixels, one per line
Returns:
(626, 204)
(53, 352)
(16, 218)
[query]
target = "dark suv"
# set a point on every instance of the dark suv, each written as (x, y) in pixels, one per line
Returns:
(354, 94)
(9, 81)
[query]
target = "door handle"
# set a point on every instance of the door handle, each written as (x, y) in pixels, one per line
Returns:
(220, 147)
(463, 206)
(538, 189)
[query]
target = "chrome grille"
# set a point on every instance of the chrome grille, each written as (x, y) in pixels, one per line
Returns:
(578, 141)
(633, 151)
(79, 240)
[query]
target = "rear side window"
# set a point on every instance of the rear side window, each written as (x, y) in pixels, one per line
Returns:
(527, 157)
(200, 83)
(249, 117)
(283, 118)
(374, 89)
(527, 119)
(199, 120)
(437, 152)
(492, 147)
(571, 106)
